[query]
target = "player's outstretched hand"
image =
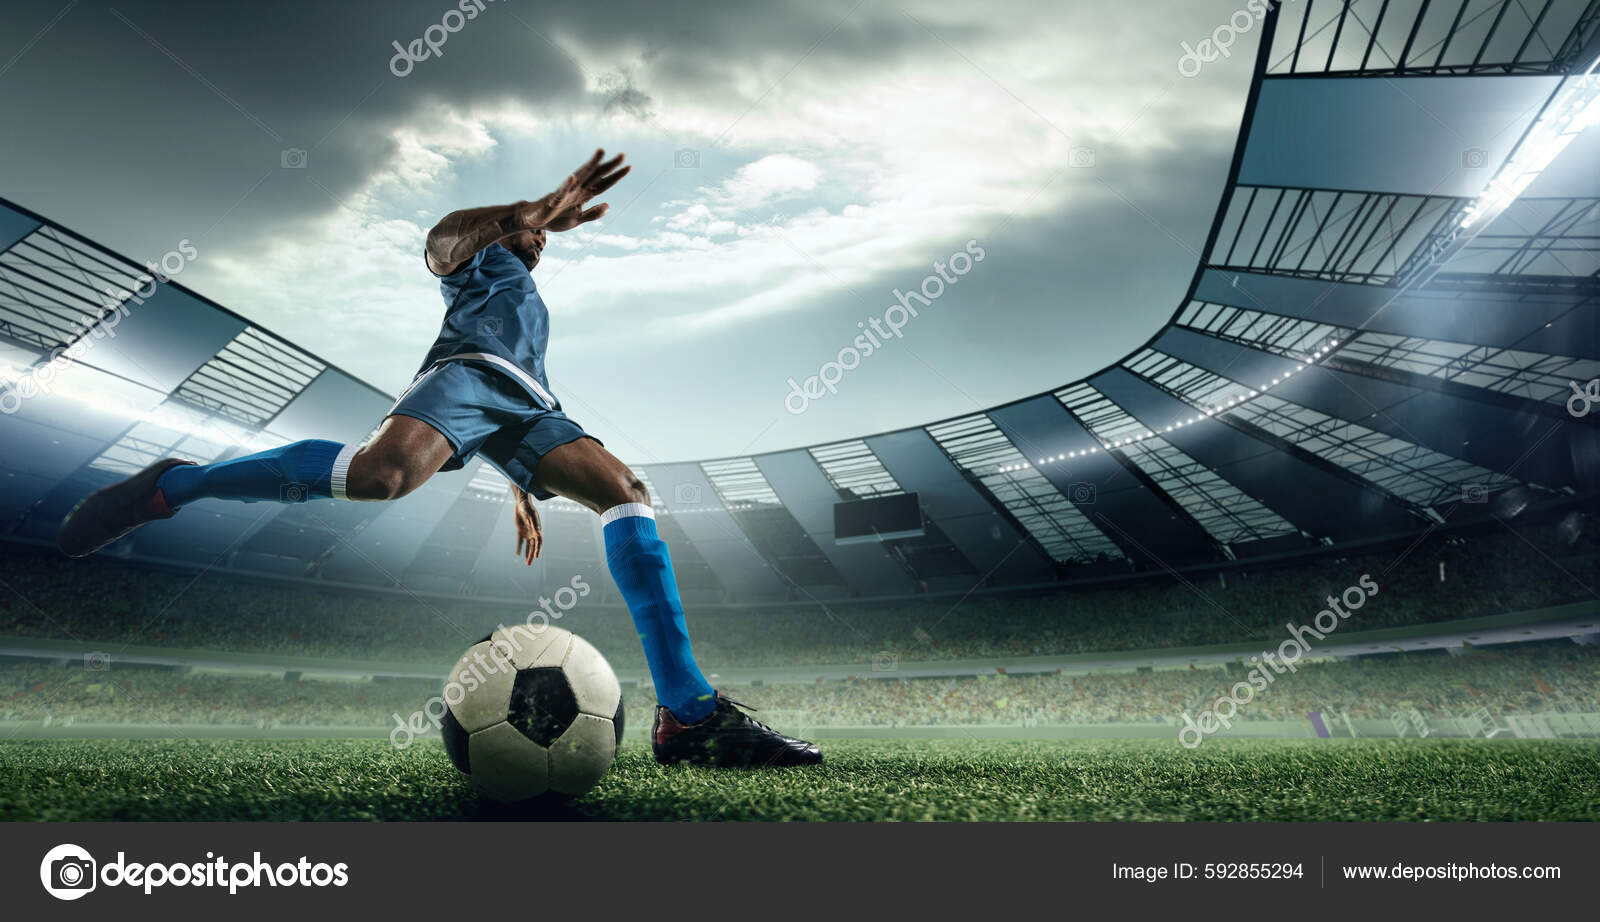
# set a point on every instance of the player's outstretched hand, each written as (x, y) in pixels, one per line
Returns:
(564, 208)
(530, 537)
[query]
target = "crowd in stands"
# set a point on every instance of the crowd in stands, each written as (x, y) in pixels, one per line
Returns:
(1550, 676)
(96, 692)
(1441, 578)
(1558, 676)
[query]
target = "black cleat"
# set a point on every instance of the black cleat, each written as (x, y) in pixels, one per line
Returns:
(112, 512)
(728, 738)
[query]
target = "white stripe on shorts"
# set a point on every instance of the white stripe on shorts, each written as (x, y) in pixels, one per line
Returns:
(515, 371)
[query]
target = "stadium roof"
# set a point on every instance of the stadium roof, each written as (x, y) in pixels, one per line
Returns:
(1395, 303)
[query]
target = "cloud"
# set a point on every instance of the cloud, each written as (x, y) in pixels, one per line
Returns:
(842, 147)
(622, 97)
(771, 179)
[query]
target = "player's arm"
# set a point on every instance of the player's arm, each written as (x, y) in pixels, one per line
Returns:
(461, 234)
(530, 536)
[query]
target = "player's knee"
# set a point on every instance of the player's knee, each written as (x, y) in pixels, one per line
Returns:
(378, 478)
(622, 488)
(633, 489)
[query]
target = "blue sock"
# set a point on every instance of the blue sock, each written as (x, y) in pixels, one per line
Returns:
(290, 473)
(643, 571)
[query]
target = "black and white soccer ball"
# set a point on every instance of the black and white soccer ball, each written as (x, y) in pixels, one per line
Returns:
(532, 710)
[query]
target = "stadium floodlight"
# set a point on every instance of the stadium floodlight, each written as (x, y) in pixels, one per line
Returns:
(1576, 108)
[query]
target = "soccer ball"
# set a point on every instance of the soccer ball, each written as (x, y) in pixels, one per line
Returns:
(530, 710)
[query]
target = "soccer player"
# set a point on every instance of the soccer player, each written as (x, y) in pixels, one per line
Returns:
(482, 390)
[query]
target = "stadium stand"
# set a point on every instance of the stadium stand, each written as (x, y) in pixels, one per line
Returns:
(1548, 677)
(1442, 578)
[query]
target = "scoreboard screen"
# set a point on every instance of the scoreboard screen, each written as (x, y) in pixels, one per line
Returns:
(878, 519)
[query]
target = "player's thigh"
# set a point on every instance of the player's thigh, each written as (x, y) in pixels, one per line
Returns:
(584, 471)
(400, 457)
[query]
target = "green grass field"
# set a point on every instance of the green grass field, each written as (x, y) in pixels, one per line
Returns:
(862, 780)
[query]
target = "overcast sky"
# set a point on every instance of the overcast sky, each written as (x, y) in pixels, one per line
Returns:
(794, 164)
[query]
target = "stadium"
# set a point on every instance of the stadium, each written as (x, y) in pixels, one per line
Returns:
(1323, 548)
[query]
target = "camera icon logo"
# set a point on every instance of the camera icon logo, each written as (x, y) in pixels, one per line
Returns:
(1474, 493)
(67, 872)
(1474, 158)
(1080, 157)
(686, 158)
(97, 662)
(1082, 492)
(292, 158)
(687, 494)
(294, 493)
(489, 326)
(885, 661)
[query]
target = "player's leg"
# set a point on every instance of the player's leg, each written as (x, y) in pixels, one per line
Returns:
(399, 458)
(585, 472)
(693, 723)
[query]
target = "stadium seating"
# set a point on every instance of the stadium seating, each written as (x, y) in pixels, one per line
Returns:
(1545, 677)
(1443, 578)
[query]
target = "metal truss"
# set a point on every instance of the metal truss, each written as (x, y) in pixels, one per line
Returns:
(1349, 38)
(854, 471)
(1368, 238)
(1530, 375)
(1289, 337)
(1412, 472)
(251, 379)
(978, 447)
(53, 288)
(1540, 237)
(1226, 512)
(740, 483)
(1405, 469)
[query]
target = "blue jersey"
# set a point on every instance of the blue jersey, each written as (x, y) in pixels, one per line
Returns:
(493, 314)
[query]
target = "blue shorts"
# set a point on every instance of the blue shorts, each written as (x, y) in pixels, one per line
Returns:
(483, 411)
